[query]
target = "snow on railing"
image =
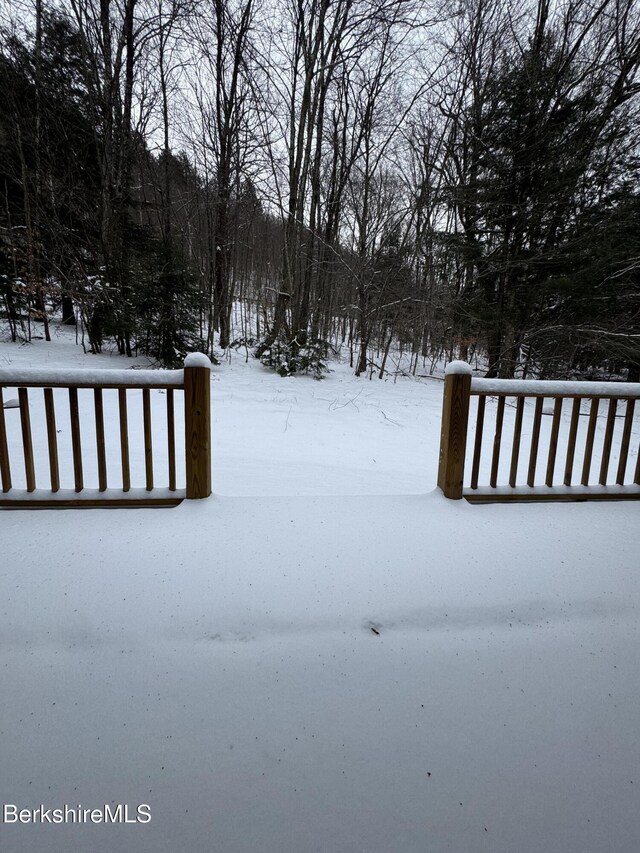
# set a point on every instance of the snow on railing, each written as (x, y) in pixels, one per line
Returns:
(18, 439)
(567, 438)
(552, 388)
(36, 377)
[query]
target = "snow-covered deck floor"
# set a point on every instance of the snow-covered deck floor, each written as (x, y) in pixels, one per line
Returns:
(217, 661)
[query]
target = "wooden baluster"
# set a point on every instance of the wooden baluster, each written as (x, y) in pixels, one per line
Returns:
(535, 440)
(608, 441)
(75, 439)
(171, 439)
(25, 421)
(588, 450)
(52, 439)
(626, 440)
(636, 478)
(477, 446)
(571, 441)
(515, 448)
(148, 447)
(553, 441)
(100, 443)
(497, 439)
(124, 439)
(5, 468)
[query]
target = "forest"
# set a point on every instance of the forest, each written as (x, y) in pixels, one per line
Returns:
(308, 178)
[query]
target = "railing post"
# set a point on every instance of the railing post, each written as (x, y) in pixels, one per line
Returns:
(197, 424)
(453, 437)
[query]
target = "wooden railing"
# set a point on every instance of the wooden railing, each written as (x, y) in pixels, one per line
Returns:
(85, 425)
(556, 457)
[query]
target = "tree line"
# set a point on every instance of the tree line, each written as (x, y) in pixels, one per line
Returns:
(303, 177)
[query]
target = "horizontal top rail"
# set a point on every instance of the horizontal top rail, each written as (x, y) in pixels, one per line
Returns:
(554, 388)
(37, 377)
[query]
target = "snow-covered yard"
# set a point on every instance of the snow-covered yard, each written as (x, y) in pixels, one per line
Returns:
(326, 655)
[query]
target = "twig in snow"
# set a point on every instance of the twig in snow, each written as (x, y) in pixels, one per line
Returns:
(352, 400)
(391, 421)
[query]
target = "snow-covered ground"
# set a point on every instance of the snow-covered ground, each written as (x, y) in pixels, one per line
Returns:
(219, 662)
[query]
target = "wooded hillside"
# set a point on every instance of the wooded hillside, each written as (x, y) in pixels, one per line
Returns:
(299, 176)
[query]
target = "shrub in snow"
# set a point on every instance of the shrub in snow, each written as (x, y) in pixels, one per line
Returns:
(242, 342)
(287, 358)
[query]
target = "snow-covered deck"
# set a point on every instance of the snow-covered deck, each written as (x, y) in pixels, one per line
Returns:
(218, 661)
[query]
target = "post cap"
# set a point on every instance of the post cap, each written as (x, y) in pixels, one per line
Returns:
(197, 359)
(458, 367)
